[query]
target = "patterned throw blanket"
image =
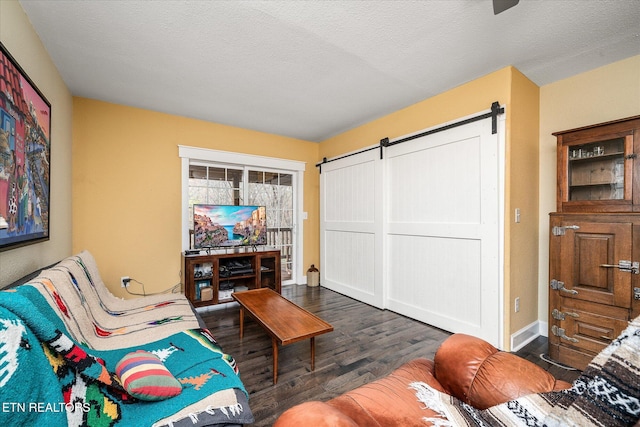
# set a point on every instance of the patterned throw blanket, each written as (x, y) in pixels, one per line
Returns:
(606, 394)
(97, 319)
(48, 378)
(89, 283)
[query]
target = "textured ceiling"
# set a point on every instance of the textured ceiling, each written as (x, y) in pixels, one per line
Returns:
(313, 69)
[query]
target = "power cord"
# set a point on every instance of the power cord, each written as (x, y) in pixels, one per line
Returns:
(558, 364)
(173, 289)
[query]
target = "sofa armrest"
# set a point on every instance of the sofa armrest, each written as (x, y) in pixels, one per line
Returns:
(477, 373)
(317, 414)
(389, 401)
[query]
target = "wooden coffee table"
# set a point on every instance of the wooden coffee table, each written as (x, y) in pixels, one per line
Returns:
(284, 321)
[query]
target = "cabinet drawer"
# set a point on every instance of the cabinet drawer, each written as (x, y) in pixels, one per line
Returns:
(593, 326)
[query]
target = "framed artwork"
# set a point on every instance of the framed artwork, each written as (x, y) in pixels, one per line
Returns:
(25, 154)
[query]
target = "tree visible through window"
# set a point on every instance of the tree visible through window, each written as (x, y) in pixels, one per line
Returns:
(233, 186)
(275, 191)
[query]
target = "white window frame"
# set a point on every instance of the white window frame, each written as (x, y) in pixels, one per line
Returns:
(190, 155)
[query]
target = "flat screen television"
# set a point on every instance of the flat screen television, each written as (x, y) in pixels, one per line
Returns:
(216, 226)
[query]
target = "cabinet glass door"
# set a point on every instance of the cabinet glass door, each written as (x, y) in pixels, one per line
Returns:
(597, 170)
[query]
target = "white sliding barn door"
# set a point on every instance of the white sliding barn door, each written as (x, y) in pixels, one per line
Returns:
(420, 232)
(350, 227)
(443, 241)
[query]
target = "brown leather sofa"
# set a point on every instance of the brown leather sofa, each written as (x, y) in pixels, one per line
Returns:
(466, 367)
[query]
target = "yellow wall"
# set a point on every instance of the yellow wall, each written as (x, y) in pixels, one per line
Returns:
(522, 191)
(461, 101)
(606, 93)
(127, 187)
(22, 42)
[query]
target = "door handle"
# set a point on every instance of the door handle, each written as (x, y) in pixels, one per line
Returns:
(624, 265)
(560, 332)
(561, 315)
(558, 285)
(559, 230)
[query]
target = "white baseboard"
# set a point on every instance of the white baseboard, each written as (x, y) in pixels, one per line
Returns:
(525, 335)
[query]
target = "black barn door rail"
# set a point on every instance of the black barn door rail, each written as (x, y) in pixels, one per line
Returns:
(496, 110)
(325, 160)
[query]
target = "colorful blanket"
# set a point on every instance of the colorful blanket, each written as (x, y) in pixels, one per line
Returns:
(48, 378)
(90, 284)
(606, 394)
(97, 319)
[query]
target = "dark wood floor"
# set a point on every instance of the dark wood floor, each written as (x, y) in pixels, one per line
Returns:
(366, 344)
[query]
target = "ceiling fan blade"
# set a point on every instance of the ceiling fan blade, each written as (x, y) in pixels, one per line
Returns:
(502, 5)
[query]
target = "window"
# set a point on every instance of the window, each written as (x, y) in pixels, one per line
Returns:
(275, 191)
(214, 186)
(257, 182)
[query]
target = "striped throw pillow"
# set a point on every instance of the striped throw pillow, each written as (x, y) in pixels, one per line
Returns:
(145, 377)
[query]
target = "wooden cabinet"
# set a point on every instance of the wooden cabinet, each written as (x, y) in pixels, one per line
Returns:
(594, 246)
(594, 282)
(212, 278)
(598, 168)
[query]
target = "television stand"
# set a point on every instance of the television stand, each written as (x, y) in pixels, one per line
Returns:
(210, 278)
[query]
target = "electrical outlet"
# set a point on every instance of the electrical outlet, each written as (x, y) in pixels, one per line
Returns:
(517, 304)
(124, 281)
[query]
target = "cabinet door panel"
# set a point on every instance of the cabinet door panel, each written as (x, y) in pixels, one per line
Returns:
(585, 252)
